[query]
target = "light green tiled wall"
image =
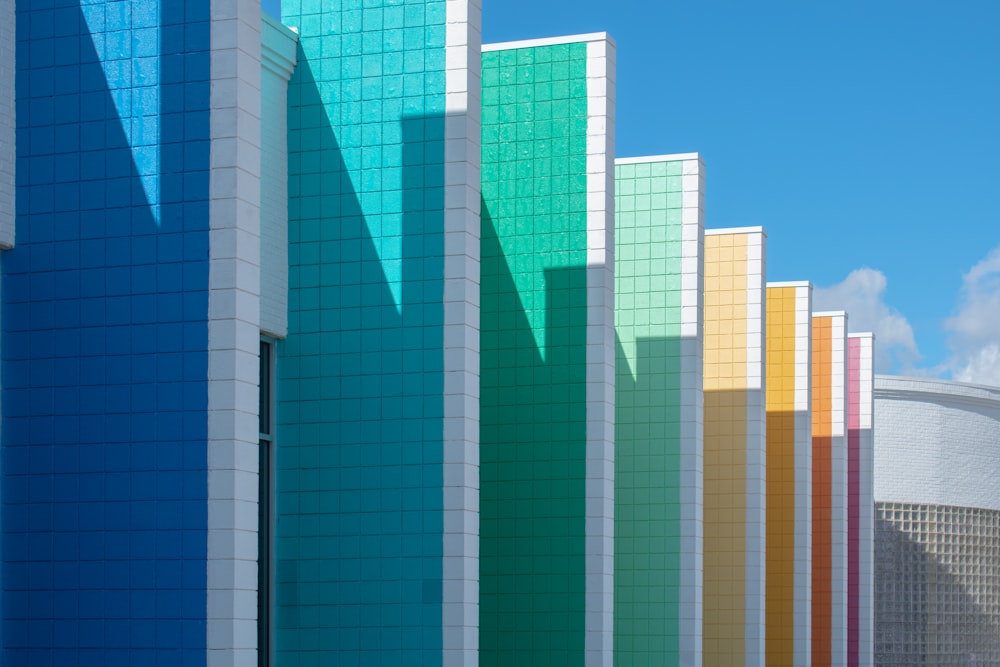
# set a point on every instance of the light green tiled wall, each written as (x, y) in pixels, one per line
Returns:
(534, 320)
(648, 203)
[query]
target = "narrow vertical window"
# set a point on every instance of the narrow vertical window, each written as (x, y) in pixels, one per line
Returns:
(264, 505)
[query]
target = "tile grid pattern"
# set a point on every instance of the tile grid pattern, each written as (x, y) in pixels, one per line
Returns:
(535, 311)
(789, 455)
(839, 472)
(692, 432)
(803, 475)
(659, 240)
(8, 124)
(756, 451)
(460, 562)
(362, 388)
(233, 332)
(829, 588)
(734, 445)
(8, 157)
(823, 510)
(937, 534)
(234, 326)
(937, 590)
(862, 361)
(105, 340)
(934, 475)
(726, 398)
(600, 449)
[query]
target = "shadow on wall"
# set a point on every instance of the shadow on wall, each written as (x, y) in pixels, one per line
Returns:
(781, 510)
(647, 500)
(533, 467)
(726, 531)
(105, 342)
(360, 389)
(924, 615)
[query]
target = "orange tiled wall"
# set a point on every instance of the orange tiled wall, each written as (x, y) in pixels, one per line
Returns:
(781, 345)
(822, 546)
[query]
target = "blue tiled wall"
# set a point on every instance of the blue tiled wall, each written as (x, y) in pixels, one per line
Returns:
(104, 331)
(360, 388)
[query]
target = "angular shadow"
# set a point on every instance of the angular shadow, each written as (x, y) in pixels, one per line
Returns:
(533, 467)
(105, 346)
(647, 500)
(360, 403)
(781, 532)
(727, 534)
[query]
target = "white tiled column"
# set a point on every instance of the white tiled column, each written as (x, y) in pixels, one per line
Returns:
(8, 152)
(802, 601)
(692, 458)
(600, 509)
(233, 332)
(460, 569)
(756, 453)
(866, 524)
(838, 496)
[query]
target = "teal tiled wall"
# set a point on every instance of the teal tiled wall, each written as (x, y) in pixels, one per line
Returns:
(360, 376)
(534, 324)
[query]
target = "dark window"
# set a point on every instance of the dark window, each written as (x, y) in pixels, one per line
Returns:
(264, 506)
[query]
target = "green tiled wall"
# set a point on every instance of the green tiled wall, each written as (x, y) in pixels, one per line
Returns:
(648, 235)
(534, 322)
(360, 376)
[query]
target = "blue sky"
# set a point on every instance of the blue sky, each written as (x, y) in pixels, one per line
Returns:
(864, 136)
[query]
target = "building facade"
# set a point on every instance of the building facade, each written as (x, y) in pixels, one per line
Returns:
(789, 502)
(345, 339)
(659, 279)
(937, 523)
(735, 447)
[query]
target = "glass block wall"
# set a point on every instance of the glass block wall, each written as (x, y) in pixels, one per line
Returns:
(937, 585)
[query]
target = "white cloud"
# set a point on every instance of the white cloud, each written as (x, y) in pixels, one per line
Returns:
(861, 294)
(974, 329)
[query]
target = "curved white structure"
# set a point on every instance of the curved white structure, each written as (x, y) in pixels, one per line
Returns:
(937, 514)
(937, 442)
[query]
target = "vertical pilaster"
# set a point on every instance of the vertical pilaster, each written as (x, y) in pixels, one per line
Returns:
(460, 565)
(233, 332)
(756, 455)
(860, 501)
(600, 352)
(8, 151)
(692, 455)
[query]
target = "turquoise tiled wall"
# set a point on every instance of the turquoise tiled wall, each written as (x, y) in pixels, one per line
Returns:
(360, 376)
